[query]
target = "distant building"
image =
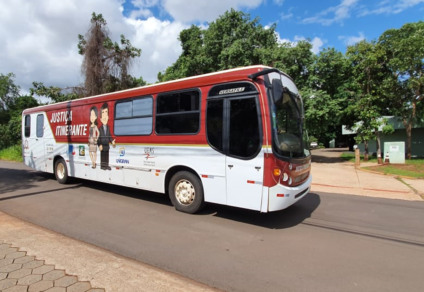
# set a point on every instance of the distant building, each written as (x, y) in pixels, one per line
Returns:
(399, 135)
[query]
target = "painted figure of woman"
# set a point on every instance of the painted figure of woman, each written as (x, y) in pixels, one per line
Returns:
(93, 136)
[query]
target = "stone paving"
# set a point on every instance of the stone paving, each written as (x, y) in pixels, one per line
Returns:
(22, 272)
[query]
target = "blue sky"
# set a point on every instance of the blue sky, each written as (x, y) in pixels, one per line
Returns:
(331, 23)
(39, 38)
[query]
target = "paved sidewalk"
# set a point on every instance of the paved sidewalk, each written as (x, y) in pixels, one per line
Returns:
(35, 259)
(330, 174)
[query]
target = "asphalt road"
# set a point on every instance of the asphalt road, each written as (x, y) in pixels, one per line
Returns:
(325, 242)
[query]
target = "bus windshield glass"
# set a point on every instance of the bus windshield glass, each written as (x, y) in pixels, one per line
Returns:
(289, 137)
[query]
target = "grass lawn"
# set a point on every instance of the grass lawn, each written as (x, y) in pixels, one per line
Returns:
(411, 168)
(13, 153)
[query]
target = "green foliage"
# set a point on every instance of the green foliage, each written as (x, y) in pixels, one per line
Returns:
(56, 94)
(11, 107)
(232, 40)
(296, 61)
(321, 113)
(404, 57)
(12, 153)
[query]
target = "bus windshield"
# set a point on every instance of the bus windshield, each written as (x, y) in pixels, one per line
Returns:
(289, 137)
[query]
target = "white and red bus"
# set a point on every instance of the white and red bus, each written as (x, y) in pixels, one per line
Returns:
(234, 137)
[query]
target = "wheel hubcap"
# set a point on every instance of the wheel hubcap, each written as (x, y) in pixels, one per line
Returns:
(60, 171)
(184, 192)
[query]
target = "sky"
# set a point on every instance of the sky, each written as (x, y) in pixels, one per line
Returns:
(38, 39)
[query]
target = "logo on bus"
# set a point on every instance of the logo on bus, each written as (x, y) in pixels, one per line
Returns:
(81, 150)
(232, 90)
(149, 152)
(121, 152)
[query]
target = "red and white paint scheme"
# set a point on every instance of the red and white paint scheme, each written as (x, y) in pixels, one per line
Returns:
(234, 137)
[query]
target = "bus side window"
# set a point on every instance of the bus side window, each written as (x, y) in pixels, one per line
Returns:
(244, 135)
(40, 126)
(27, 126)
(214, 124)
(178, 112)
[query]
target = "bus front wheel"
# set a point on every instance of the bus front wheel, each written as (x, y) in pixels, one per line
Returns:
(61, 171)
(186, 192)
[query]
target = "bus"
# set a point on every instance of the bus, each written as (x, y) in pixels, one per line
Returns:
(235, 137)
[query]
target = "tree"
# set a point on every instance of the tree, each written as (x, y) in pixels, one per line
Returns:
(56, 94)
(232, 40)
(295, 61)
(11, 107)
(369, 101)
(404, 58)
(321, 114)
(106, 64)
(8, 94)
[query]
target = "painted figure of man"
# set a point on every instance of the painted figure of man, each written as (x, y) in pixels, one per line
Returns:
(105, 138)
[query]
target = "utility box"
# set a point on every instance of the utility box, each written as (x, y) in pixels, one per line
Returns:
(394, 152)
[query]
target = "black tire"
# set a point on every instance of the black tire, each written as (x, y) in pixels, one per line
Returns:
(186, 192)
(61, 171)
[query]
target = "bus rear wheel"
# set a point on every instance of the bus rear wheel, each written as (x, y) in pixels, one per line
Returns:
(186, 192)
(61, 171)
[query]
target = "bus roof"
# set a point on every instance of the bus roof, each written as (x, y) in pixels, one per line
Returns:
(241, 73)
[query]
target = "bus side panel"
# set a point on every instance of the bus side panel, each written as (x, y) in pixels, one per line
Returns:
(206, 163)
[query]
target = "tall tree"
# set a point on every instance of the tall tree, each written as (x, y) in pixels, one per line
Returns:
(368, 102)
(325, 95)
(8, 94)
(295, 60)
(11, 107)
(404, 53)
(106, 64)
(230, 41)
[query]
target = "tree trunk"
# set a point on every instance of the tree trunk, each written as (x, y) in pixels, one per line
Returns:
(409, 140)
(366, 150)
(379, 159)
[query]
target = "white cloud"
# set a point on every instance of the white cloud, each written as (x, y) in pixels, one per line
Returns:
(390, 7)
(316, 42)
(333, 14)
(39, 39)
(352, 40)
(204, 10)
(159, 43)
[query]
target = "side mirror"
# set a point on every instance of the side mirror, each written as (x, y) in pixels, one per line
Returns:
(277, 90)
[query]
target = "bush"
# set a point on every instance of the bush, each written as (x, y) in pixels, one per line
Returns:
(12, 153)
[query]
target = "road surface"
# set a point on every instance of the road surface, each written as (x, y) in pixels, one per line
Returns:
(325, 242)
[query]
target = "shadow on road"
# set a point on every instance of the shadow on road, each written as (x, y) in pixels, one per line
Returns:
(19, 179)
(287, 218)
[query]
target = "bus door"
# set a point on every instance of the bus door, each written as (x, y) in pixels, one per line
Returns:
(244, 161)
(34, 142)
(233, 128)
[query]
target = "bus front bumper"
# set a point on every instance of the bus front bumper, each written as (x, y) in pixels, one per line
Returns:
(282, 197)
